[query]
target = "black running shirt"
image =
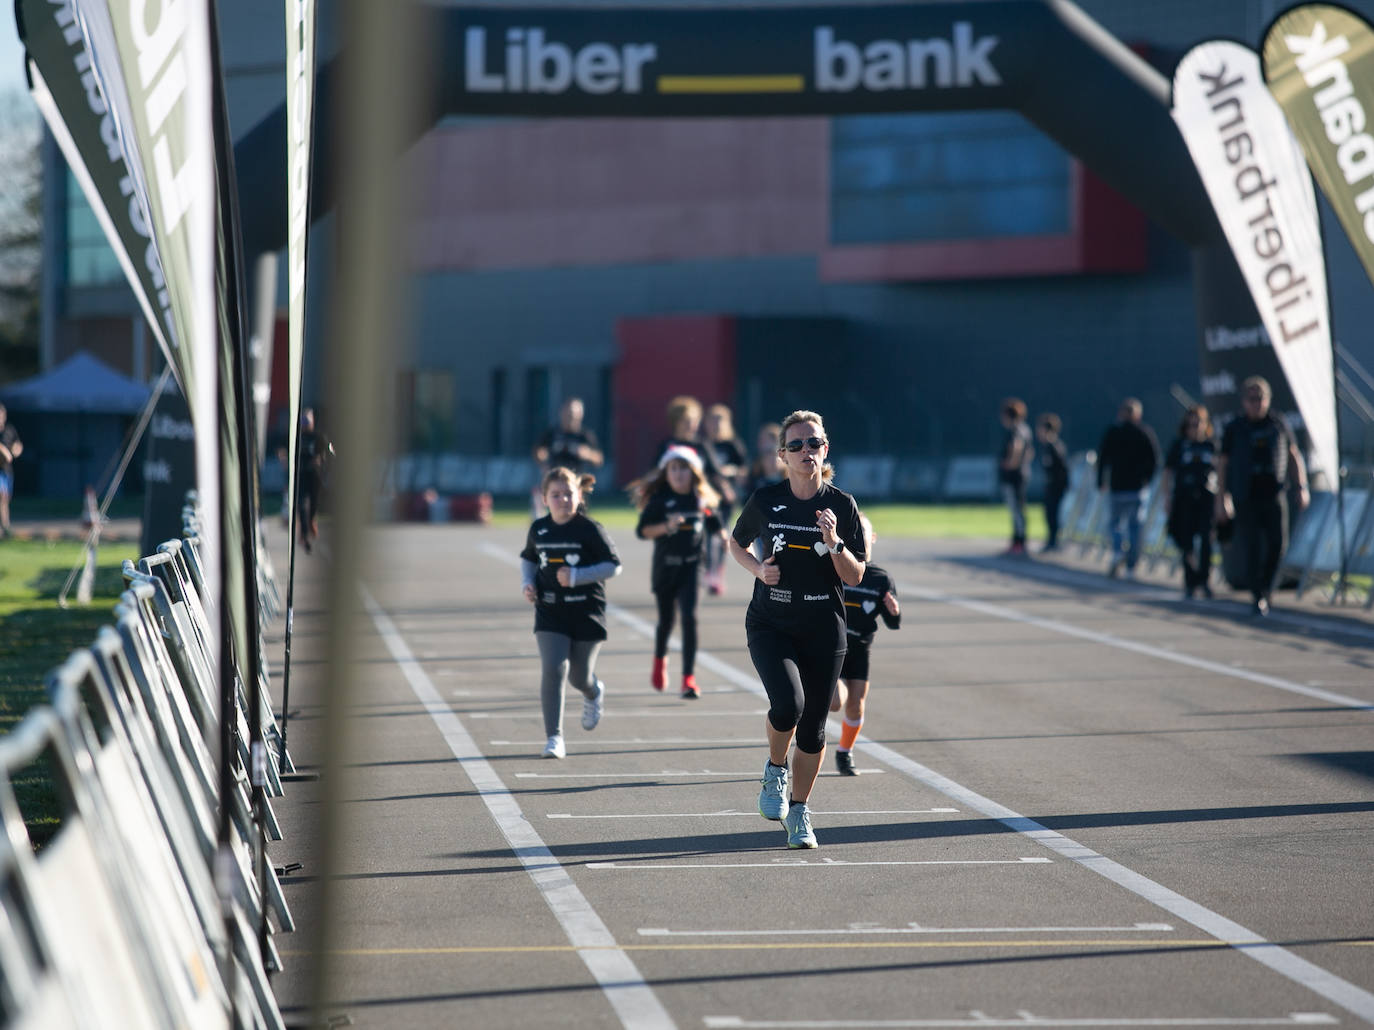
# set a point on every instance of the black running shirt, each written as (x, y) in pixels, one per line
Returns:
(676, 551)
(578, 611)
(864, 603)
(810, 589)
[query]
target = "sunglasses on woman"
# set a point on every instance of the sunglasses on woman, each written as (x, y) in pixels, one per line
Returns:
(811, 443)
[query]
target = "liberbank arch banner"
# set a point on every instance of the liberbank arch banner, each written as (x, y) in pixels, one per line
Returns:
(1319, 63)
(1257, 179)
(765, 61)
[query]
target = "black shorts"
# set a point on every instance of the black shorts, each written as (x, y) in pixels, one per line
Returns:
(855, 661)
(798, 672)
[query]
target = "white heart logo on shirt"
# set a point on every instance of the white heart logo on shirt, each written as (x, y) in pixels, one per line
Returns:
(868, 607)
(821, 549)
(572, 559)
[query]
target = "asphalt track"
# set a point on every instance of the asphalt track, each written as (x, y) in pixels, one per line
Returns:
(1084, 803)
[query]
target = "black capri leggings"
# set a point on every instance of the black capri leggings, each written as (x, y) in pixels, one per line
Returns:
(798, 672)
(670, 596)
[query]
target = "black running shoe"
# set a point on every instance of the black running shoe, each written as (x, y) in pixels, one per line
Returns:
(844, 762)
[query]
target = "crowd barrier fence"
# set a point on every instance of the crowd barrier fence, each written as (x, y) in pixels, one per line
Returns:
(120, 919)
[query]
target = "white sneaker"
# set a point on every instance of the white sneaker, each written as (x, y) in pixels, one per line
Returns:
(591, 707)
(554, 748)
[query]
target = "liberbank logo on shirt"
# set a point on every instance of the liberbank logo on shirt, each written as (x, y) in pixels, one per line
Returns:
(531, 59)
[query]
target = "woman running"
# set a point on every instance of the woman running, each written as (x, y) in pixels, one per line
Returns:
(795, 625)
(567, 557)
(678, 512)
(876, 595)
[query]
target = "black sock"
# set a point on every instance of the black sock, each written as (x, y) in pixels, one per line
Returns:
(775, 764)
(794, 801)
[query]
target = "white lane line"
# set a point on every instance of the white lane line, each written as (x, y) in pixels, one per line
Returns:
(1348, 996)
(633, 1000)
(818, 863)
(981, 1021)
(700, 741)
(912, 928)
(751, 774)
(998, 611)
(676, 711)
(731, 811)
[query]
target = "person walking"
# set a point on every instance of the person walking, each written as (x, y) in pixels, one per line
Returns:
(1258, 455)
(315, 452)
(10, 449)
(678, 512)
(1126, 462)
(718, 434)
(874, 596)
(1054, 462)
(567, 558)
(795, 624)
(1189, 486)
(1013, 468)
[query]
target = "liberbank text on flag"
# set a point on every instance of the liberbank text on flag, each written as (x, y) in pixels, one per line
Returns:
(1257, 179)
(1319, 63)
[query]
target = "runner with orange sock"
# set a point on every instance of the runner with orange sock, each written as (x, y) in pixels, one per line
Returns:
(875, 595)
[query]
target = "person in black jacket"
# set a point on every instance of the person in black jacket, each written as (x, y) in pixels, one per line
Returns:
(1013, 468)
(1054, 461)
(1190, 486)
(1126, 462)
(875, 595)
(1258, 454)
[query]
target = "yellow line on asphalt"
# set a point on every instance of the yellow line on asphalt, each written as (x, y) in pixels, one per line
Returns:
(731, 83)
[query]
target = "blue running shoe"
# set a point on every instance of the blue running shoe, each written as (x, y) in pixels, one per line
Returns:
(798, 823)
(773, 796)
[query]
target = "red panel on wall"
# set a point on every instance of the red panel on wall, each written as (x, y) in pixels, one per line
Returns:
(1108, 234)
(661, 358)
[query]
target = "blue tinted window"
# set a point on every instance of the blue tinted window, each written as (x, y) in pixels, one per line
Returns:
(90, 261)
(947, 176)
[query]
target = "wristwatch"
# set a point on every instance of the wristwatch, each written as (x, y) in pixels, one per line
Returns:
(839, 546)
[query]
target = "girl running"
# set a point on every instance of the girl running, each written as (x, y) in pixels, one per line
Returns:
(814, 544)
(678, 513)
(875, 595)
(567, 557)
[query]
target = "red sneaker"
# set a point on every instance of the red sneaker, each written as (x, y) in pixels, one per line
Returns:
(689, 688)
(659, 677)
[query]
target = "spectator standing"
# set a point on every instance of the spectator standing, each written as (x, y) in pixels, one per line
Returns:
(718, 433)
(1054, 462)
(10, 449)
(766, 468)
(1126, 462)
(1259, 454)
(566, 559)
(1013, 468)
(1190, 485)
(569, 444)
(795, 625)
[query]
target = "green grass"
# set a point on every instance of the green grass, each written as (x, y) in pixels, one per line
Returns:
(911, 521)
(36, 636)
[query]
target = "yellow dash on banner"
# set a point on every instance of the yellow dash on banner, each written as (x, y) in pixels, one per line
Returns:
(731, 83)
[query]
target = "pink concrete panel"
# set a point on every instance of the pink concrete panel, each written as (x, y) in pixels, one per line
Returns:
(528, 195)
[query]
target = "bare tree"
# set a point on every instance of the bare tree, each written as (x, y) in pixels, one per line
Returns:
(21, 227)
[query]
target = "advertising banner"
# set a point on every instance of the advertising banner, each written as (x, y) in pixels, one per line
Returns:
(1257, 178)
(1319, 64)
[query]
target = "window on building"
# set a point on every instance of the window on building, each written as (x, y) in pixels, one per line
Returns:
(945, 176)
(90, 261)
